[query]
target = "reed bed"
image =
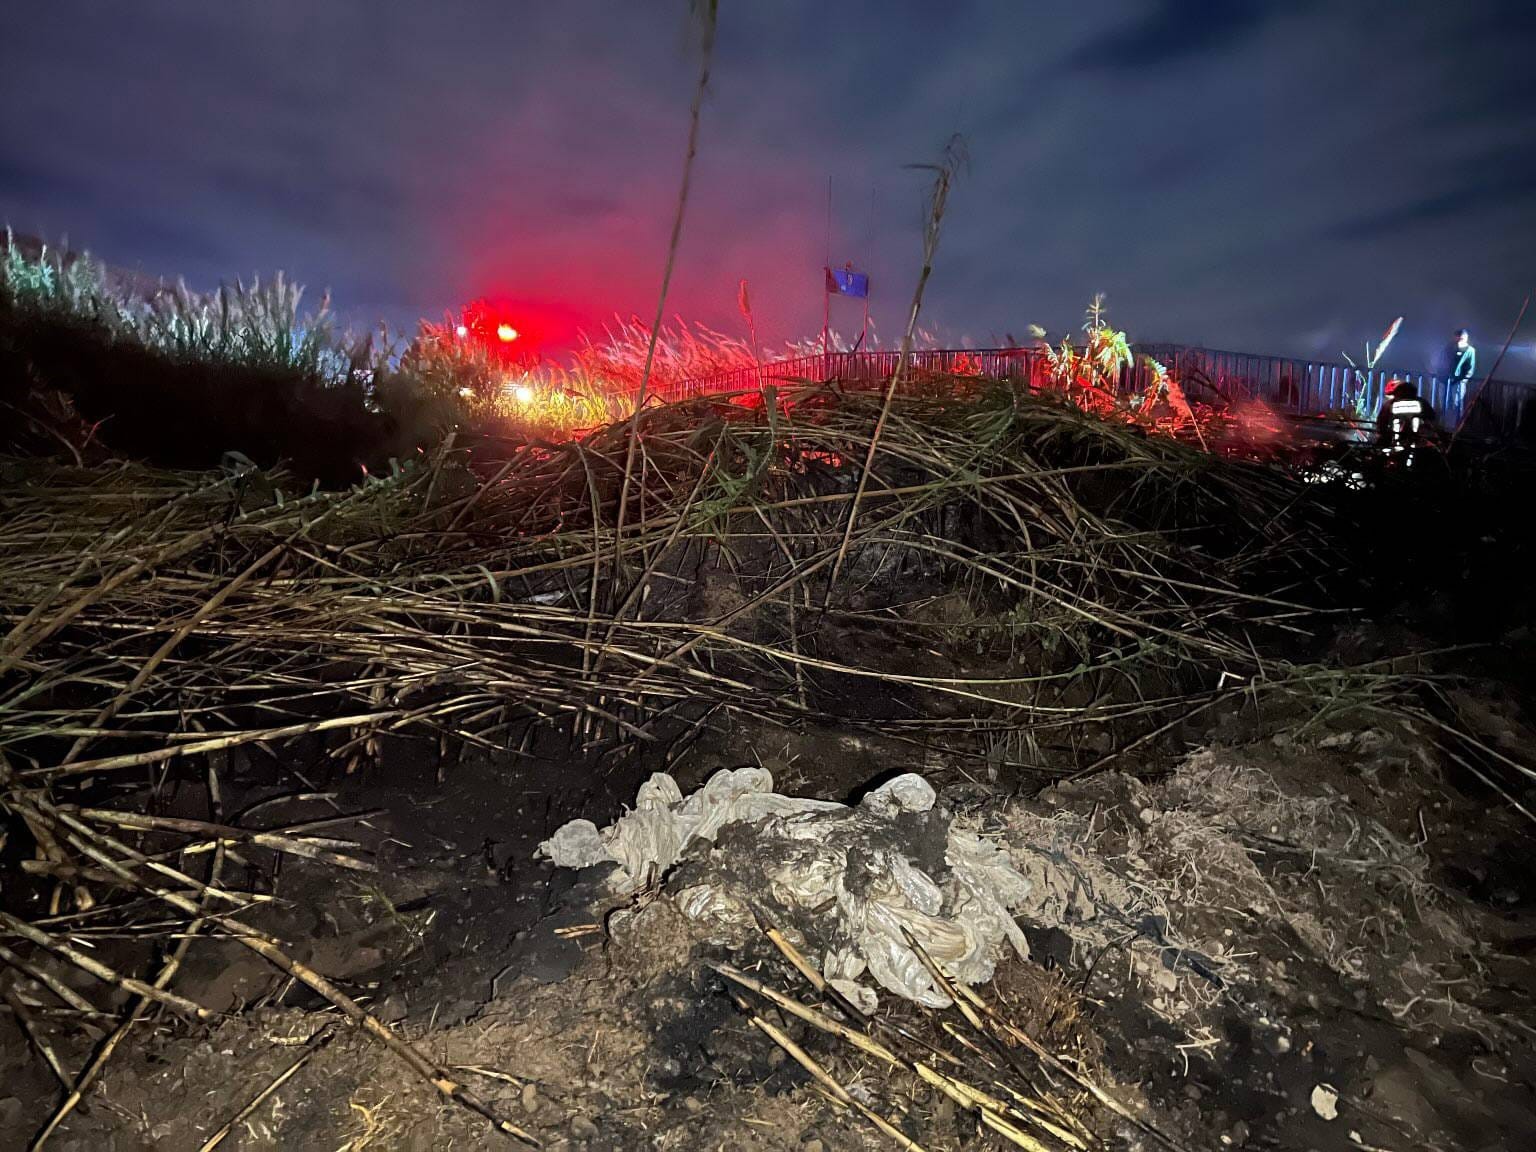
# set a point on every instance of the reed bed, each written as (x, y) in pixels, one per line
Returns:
(457, 595)
(153, 620)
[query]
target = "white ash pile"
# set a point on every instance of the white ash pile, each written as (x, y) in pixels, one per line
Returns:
(847, 880)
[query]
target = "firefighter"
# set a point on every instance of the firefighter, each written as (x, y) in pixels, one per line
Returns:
(1403, 422)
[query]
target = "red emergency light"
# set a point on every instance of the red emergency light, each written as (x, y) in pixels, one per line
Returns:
(496, 329)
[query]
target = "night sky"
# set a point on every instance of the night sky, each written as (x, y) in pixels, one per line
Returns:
(1269, 175)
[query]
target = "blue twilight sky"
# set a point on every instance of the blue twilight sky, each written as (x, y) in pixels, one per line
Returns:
(1270, 175)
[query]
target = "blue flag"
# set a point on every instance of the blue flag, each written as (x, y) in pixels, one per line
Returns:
(847, 282)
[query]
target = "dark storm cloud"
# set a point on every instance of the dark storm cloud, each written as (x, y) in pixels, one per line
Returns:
(1176, 30)
(1459, 202)
(33, 182)
(1284, 176)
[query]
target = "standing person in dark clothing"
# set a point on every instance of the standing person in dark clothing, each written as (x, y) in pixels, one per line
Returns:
(1461, 365)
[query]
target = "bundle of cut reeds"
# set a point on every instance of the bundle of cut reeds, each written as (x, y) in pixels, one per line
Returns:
(971, 1054)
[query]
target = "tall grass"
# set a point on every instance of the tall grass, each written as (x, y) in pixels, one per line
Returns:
(190, 357)
(51, 282)
(261, 325)
(179, 377)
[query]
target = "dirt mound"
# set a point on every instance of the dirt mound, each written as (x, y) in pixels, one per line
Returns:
(1275, 920)
(637, 1049)
(1264, 948)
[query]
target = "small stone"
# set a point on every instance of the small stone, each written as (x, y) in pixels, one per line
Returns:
(1325, 1102)
(583, 1129)
(530, 1098)
(693, 1104)
(813, 1145)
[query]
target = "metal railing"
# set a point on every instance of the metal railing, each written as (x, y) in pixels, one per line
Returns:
(865, 369)
(1504, 409)
(1313, 387)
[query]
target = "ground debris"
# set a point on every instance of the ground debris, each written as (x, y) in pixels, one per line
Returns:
(1209, 946)
(847, 881)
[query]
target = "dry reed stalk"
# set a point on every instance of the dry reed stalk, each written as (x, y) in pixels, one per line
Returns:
(944, 175)
(404, 607)
(211, 744)
(92, 966)
(103, 1055)
(980, 1015)
(265, 947)
(314, 848)
(147, 669)
(381, 579)
(859, 1040)
(990, 1111)
(314, 1046)
(707, 13)
(826, 1080)
(33, 1032)
(850, 1010)
(32, 629)
(64, 992)
(1002, 1118)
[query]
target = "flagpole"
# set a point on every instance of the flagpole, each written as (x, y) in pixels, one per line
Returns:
(826, 291)
(826, 322)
